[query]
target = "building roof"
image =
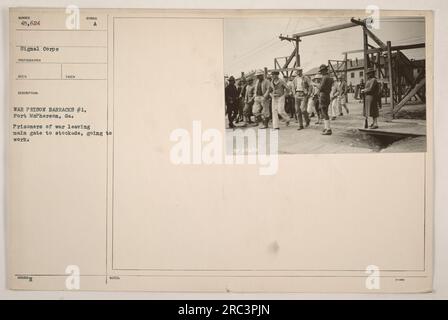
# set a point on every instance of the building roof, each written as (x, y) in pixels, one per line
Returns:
(353, 64)
(358, 64)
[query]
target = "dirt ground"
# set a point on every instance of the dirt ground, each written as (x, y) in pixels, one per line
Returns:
(347, 138)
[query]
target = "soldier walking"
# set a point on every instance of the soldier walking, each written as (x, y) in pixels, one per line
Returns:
(301, 86)
(324, 98)
(313, 97)
(372, 96)
(342, 96)
(241, 88)
(289, 100)
(261, 100)
(279, 90)
(231, 99)
(249, 101)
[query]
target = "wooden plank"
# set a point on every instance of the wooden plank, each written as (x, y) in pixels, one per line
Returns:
(283, 69)
(394, 48)
(375, 38)
(325, 30)
(366, 55)
(276, 63)
(288, 61)
(366, 109)
(412, 93)
(380, 132)
(401, 127)
(372, 50)
(345, 75)
(409, 46)
(410, 79)
(286, 38)
(332, 69)
(390, 74)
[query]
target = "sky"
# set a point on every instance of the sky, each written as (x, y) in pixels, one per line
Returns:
(253, 43)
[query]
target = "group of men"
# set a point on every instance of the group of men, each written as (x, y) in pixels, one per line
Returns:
(297, 98)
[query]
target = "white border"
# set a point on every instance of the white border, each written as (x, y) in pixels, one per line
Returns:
(440, 8)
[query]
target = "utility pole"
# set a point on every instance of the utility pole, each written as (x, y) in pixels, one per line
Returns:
(391, 83)
(346, 74)
(297, 52)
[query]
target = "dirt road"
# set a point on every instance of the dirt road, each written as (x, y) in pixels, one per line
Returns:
(346, 137)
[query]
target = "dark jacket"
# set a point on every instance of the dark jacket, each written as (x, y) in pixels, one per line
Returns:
(372, 93)
(325, 89)
(231, 95)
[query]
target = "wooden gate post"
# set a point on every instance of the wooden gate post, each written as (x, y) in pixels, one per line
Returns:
(391, 84)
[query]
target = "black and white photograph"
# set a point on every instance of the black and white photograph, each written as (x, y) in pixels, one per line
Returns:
(329, 85)
(224, 151)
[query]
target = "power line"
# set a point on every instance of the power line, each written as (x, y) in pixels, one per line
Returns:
(235, 62)
(254, 51)
(269, 44)
(256, 48)
(266, 44)
(287, 25)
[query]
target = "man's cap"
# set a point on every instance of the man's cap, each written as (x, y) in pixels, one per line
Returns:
(323, 67)
(275, 73)
(259, 73)
(231, 78)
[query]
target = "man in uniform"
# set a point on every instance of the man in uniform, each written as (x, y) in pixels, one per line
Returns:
(333, 109)
(279, 90)
(261, 100)
(241, 88)
(342, 95)
(249, 101)
(324, 97)
(301, 86)
(231, 98)
(360, 88)
(372, 96)
(289, 99)
(313, 97)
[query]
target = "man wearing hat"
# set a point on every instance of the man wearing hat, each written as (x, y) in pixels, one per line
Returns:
(301, 85)
(241, 87)
(324, 97)
(279, 89)
(372, 96)
(342, 95)
(261, 100)
(313, 97)
(231, 98)
(289, 100)
(249, 101)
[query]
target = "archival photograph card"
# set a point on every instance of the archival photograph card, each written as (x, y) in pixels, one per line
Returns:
(220, 150)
